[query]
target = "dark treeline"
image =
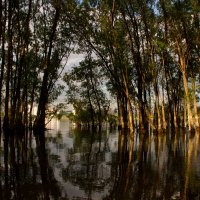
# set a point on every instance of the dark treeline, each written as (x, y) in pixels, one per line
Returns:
(34, 41)
(146, 52)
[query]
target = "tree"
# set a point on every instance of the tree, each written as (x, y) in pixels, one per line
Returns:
(85, 92)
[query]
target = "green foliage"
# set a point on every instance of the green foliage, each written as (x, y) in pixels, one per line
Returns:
(85, 92)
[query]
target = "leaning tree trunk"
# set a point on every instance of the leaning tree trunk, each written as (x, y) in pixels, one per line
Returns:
(39, 122)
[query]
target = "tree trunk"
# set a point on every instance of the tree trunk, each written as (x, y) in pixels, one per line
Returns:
(196, 118)
(185, 114)
(96, 97)
(39, 122)
(189, 113)
(6, 122)
(158, 120)
(122, 113)
(130, 110)
(91, 108)
(2, 32)
(182, 59)
(164, 124)
(175, 114)
(136, 56)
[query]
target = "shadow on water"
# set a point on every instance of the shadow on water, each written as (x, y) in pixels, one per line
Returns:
(65, 163)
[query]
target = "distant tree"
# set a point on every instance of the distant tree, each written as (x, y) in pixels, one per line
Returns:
(85, 85)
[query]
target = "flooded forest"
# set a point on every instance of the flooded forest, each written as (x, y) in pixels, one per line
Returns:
(120, 121)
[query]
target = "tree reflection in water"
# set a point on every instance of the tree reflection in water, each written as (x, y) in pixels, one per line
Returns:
(78, 164)
(160, 168)
(25, 172)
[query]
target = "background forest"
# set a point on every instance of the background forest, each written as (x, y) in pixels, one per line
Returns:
(145, 52)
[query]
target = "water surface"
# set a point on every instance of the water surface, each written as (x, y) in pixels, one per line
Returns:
(70, 164)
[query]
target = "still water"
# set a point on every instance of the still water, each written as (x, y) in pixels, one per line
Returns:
(69, 164)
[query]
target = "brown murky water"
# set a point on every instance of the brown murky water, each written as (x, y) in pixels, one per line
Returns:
(79, 165)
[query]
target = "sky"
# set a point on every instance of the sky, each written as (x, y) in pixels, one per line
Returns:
(73, 60)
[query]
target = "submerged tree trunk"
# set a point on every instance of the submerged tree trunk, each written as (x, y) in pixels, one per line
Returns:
(39, 122)
(130, 110)
(164, 124)
(158, 116)
(6, 122)
(196, 117)
(189, 112)
(122, 113)
(130, 119)
(2, 38)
